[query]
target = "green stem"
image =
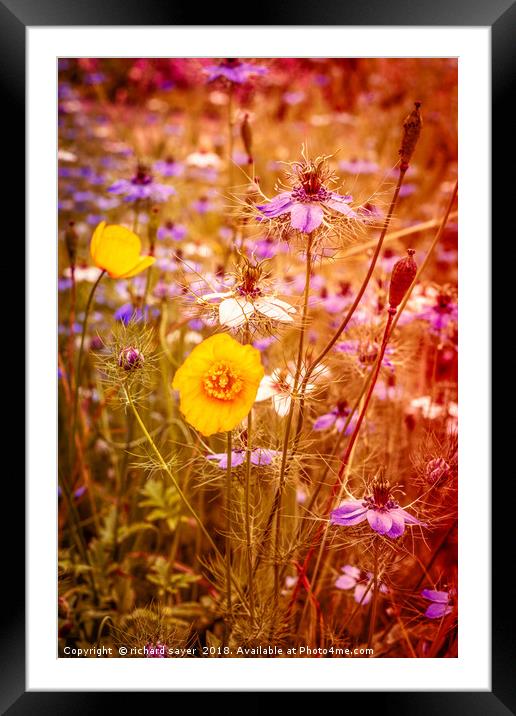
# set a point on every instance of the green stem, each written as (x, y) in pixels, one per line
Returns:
(276, 508)
(180, 492)
(79, 366)
(169, 472)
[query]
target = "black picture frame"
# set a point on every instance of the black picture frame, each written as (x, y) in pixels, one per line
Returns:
(15, 17)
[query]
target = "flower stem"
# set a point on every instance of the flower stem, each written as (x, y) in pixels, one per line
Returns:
(389, 328)
(362, 414)
(276, 507)
(374, 598)
(228, 521)
(79, 366)
(247, 508)
(180, 492)
(354, 305)
(71, 323)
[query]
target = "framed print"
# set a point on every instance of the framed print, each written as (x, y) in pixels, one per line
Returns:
(258, 355)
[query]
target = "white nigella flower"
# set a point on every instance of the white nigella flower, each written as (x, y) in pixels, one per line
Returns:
(246, 299)
(280, 387)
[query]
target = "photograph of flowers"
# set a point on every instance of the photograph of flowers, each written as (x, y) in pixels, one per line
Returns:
(257, 357)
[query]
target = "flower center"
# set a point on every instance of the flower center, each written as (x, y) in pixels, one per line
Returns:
(381, 498)
(368, 353)
(142, 176)
(305, 193)
(342, 408)
(443, 304)
(221, 382)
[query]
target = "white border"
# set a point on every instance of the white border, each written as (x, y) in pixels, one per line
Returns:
(471, 670)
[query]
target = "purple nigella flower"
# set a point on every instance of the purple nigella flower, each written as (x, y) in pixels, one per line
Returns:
(259, 456)
(384, 514)
(141, 186)
(263, 343)
(306, 208)
(128, 313)
(169, 167)
(367, 352)
(202, 205)
(268, 247)
(441, 314)
(234, 71)
(336, 417)
(358, 166)
(352, 578)
(440, 606)
(309, 200)
(173, 231)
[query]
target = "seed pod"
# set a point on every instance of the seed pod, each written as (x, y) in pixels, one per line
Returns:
(402, 275)
(247, 138)
(71, 240)
(411, 131)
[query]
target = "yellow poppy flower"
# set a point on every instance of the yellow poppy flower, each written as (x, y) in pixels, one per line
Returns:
(218, 383)
(117, 250)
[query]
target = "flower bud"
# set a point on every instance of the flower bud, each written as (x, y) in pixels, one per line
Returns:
(247, 138)
(411, 131)
(436, 469)
(130, 358)
(402, 275)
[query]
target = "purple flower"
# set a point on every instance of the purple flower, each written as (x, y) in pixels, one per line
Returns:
(169, 167)
(440, 606)
(268, 247)
(259, 456)
(156, 651)
(172, 231)
(384, 514)
(263, 343)
(307, 208)
(407, 190)
(336, 417)
(443, 313)
(79, 492)
(141, 186)
(358, 166)
(353, 578)
(234, 71)
(333, 303)
(366, 352)
(128, 312)
(94, 78)
(202, 205)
